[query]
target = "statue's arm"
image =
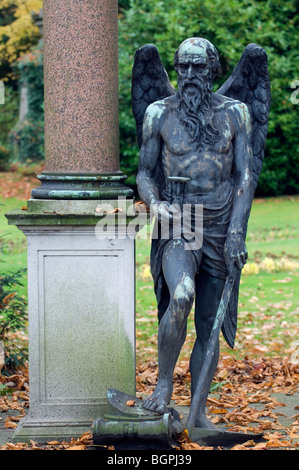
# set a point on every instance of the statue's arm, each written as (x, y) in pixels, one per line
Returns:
(235, 248)
(149, 155)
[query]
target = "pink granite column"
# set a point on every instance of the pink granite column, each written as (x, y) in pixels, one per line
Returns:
(81, 86)
(81, 100)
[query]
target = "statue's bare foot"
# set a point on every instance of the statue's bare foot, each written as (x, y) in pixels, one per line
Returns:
(160, 398)
(203, 422)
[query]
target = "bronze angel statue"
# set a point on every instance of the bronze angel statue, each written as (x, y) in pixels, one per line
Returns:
(198, 148)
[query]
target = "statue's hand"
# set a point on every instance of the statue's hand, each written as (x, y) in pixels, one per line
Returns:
(161, 210)
(235, 251)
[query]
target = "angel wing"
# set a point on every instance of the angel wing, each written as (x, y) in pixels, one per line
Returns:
(250, 83)
(150, 83)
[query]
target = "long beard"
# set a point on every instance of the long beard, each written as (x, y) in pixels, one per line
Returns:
(195, 110)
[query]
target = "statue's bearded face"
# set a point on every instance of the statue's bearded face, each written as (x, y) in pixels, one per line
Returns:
(195, 82)
(194, 74)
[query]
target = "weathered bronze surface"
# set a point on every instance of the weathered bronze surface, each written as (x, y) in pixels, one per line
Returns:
(198, 148)
(127, 421)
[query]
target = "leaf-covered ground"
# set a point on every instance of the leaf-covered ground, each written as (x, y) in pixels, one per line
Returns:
(246, 399)
(16, 184)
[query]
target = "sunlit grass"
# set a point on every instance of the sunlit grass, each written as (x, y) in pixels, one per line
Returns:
(269, 294)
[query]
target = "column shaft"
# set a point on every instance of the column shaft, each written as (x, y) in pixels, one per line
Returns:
(81, 86)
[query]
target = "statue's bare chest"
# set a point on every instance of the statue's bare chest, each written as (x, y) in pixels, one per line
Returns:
(182, 156)
(178, 141)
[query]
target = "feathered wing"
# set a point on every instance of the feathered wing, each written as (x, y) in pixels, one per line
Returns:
(150, 83)
(250, 84)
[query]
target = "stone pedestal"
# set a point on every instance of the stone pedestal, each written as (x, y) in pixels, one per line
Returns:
(80, 278)
(81, 286)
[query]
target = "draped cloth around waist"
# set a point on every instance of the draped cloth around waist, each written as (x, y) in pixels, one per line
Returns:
(209, 258)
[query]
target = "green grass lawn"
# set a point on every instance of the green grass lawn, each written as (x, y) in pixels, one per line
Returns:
(13, 243)
(269, 294)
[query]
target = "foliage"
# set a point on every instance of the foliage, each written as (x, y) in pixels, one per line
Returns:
(13, 316)
(230, 25)
(28, 135)
(8, 117)
(3, 157)
(123, 4)
(18, 33)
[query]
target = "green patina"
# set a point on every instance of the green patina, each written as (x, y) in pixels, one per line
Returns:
(74, 212)
(82, 186)
(21, 218)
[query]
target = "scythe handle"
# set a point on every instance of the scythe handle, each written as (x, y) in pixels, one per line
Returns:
(181, 182)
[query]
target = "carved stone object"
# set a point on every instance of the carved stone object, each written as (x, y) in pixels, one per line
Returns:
(198, 148)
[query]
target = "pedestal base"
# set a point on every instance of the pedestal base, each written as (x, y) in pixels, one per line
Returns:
(81, 294)
(85, 186)
(42, 431)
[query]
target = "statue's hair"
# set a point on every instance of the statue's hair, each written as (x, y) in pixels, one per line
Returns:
(211, 51)
(197, 117)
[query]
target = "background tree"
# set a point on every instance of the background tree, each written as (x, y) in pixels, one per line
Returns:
(230, 25)
(18, 34)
